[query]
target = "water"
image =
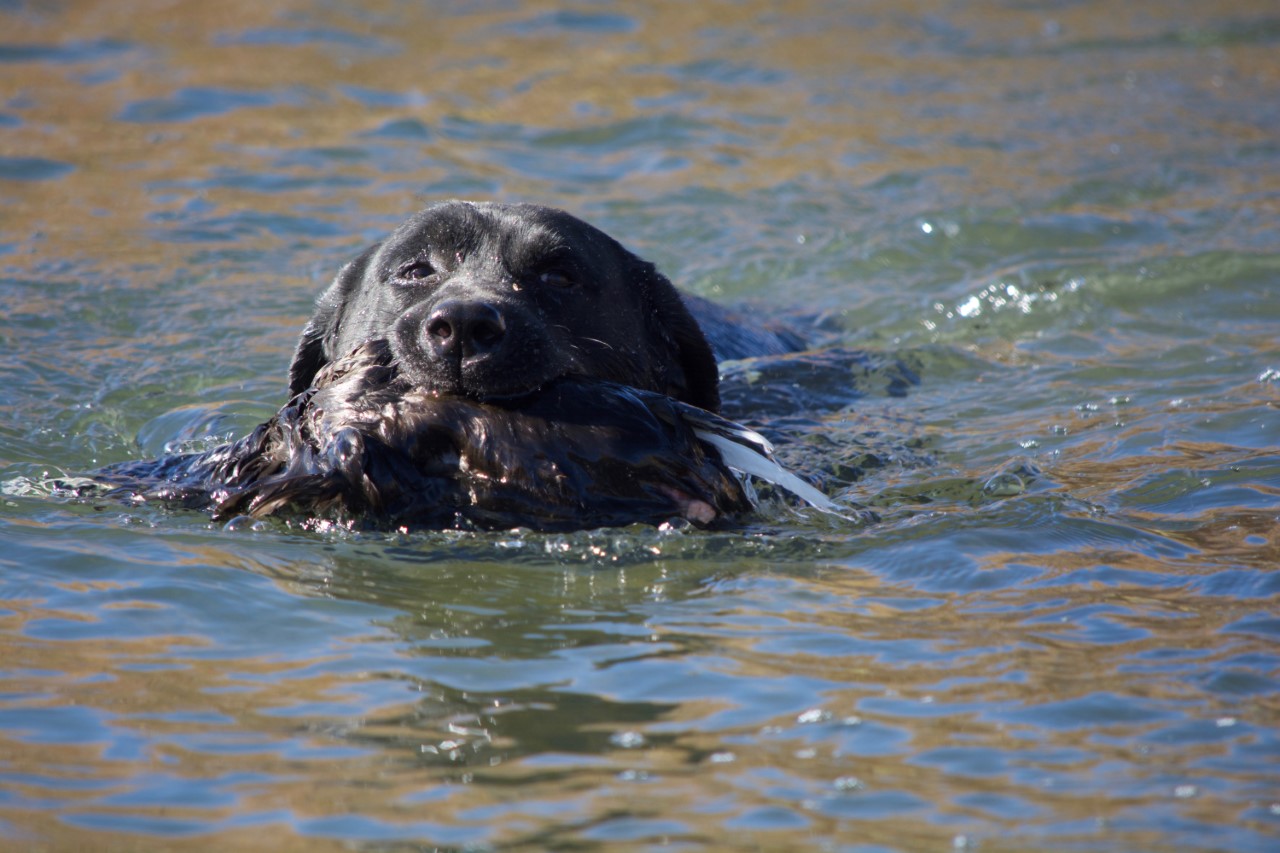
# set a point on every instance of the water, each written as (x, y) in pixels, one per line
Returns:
(1062, 634)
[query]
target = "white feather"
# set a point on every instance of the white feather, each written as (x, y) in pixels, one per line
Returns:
(758, 463)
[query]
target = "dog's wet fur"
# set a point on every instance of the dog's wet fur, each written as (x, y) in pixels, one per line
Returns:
(486, 365)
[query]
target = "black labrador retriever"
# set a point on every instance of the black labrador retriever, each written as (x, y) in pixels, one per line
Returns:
(494, 365)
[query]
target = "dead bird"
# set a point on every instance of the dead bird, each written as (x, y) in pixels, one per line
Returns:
(367, 445)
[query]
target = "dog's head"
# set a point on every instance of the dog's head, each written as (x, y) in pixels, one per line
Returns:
(494, 300)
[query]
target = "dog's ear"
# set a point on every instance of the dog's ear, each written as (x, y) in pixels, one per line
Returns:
(695, 378)
(315, 347)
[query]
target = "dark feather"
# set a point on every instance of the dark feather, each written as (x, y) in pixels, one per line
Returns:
(365, 444)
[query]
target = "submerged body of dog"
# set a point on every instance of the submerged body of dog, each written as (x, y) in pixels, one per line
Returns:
(497, 366)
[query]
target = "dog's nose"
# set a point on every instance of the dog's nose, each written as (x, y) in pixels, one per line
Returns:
(459, 329)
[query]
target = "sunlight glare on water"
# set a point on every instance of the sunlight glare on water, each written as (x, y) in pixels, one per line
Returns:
(1037, 244)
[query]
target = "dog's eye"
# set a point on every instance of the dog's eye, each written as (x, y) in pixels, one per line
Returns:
(556, 279)
(416, 271)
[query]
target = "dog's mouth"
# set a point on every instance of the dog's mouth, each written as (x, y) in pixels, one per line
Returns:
(455, 383)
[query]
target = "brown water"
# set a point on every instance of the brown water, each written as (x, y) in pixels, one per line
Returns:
(1061, 636)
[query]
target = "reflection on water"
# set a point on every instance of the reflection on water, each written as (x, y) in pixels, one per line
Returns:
(1038, 242)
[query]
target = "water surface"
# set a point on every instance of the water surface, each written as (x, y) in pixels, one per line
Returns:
(1062, 635)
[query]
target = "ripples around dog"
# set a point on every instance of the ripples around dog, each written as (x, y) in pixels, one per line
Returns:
(1037, 242)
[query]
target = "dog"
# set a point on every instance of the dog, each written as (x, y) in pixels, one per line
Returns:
(493, 365)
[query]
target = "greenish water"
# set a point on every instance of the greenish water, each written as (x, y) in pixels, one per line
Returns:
(1062, 635)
